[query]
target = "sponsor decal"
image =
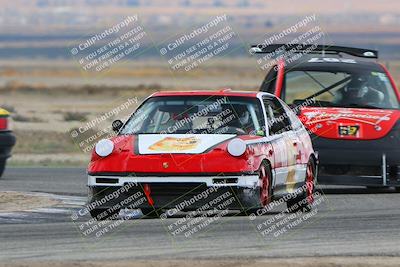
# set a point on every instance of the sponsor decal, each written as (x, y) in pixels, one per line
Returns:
(179, 143)
(349, 130)
(332, 60)
(315, 117)
(173, 143)
(291, 179)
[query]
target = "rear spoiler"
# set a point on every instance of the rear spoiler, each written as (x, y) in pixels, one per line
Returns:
(313, 49)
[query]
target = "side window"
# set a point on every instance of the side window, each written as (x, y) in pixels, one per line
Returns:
(278, 120)
(295, 121)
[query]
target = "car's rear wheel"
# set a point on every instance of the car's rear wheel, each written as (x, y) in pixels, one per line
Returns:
(104, 214)
(304, 200)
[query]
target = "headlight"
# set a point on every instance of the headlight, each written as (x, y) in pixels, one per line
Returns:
(236, 147)
(104, 147)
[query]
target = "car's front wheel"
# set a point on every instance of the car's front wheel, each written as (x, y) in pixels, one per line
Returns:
(265, 178)
(265, 184)
(303, 201)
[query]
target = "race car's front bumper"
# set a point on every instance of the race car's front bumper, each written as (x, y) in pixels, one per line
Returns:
(174, 192)
(359, 162)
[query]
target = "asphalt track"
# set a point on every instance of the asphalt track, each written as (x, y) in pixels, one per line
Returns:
(347, 222)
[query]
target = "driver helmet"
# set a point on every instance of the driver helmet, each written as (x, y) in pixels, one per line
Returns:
(356, 88)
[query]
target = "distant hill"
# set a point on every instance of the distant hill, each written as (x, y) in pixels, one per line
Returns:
(47, 28)
(49, 16)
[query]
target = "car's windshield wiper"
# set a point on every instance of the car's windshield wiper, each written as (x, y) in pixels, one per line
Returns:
(316, 81)
(327, 88)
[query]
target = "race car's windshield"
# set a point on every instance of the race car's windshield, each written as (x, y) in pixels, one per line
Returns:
(197, 115)
(362, 89)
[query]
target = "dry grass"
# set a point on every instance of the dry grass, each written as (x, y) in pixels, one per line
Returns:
(22, 118)
(75, 116)
(43, 142)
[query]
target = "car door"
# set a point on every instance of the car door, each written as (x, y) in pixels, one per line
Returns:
(298, 134)
(280, 133)
(301, 142)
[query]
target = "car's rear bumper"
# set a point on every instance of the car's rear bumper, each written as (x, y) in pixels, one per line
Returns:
(7, 141)
(178, 192)
(359, 162)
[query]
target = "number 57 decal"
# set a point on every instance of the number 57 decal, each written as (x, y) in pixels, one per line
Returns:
(349, 130)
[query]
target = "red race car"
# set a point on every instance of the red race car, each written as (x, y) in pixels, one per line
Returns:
(186, 150)
(350, 106)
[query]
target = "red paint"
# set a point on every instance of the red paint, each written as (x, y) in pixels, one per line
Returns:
(126, 160)
(265, 198)
(310, 184)
(3, 124)
(210, 162)
(280, 78)
(368, 121)
(147, 192)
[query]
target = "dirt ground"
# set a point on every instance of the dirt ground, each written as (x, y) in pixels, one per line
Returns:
(17, 201)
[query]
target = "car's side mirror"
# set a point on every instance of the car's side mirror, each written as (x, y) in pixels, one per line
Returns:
(117, 125)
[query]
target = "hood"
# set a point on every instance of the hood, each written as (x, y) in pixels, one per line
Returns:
(349, 123)
(163, 154)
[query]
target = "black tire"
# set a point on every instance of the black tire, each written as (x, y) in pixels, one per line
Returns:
(371, 187)
(104, 214)
(397, 189)
(150, 213)
(303, 202)
(269, 192)
(2, 166)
